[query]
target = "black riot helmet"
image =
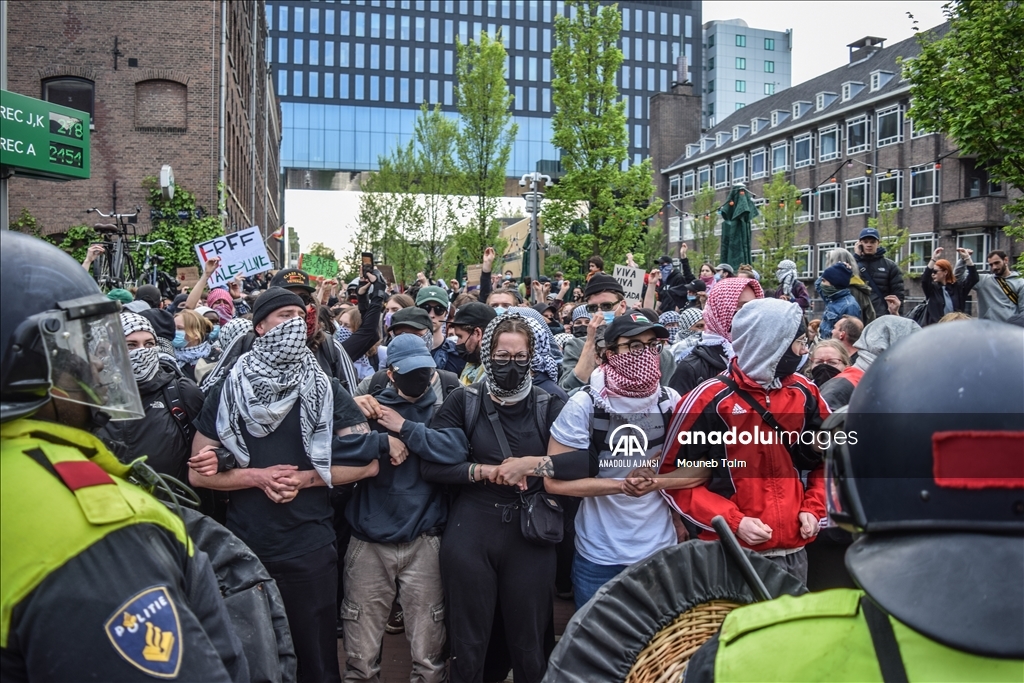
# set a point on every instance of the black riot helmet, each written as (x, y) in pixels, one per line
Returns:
(60, 337)
(931, 469)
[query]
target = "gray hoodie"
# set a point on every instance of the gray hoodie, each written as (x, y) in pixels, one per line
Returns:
(878, 335)
(761, 332)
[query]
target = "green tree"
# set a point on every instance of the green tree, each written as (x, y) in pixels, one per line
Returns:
(705, 222)
(887, 225)
(437, 180)
(589, 127)
(484, 144)
(652, 246)
(777, 237)
(181, 222)
(966, 84)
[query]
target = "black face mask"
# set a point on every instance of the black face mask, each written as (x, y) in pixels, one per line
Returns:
(466, 355)
(413, 383)
(556, 328)
(788, 364)
(579, 331)
(823, 372)
(567, 321)
(509, 376)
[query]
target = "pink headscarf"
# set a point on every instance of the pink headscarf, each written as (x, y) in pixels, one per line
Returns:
(221, 301)
(722, 301)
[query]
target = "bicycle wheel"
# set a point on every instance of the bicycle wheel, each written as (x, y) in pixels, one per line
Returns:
(101, 267)
(131, 271)
(117, 265)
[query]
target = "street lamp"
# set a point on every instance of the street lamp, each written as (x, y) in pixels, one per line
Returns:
(533, 198)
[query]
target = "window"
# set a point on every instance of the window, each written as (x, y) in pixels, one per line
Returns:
(851, 89)
(711, 40)
(806, 204)
(803, 260)
(675, 186)
(298, 20)
(828, 201)
(890, 126)
(741, 40)
(769, 43)
(856, 196)
(711, 63)
(703, 177)
(741, 63)
(803, 150)
(823, 250)
(977, 242)
(758, 163)
(800, 108)
(780, 157)
(282, 83)
(711, 85)
(823, 99)
(741, 86)
(329, 53)
(769, 88)
(828, 143)
(739, 168)
(758, 224)
(879, 79)
(778, 116)
(77, 93)
(282, 50)
(297, 57)
(977, 181)
(857, 135)
(297, 83)
(923, 186)
(722, 138)
(889, 183)
(769, 67)
(314, 52)
(721, 174)
(689, 188)
(674, 225)
(921, 248)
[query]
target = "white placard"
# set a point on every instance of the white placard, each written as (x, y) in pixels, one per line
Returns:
(632, 281)
(240, 252)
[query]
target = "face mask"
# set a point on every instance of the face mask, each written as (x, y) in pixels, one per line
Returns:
(214, 334)
(828, 290)
(145, 363)
(608, 316)
(666, 270)
(500, 310)
(579, 331)
(718, 276)
(179, 339)
(312, 323)
(466, 355)
(556, 328)
(428, 339)
(507, 278)
(789, 363)
(509, 376)
(823, 372)
(691, 297)
(414, 383)
(387, 319)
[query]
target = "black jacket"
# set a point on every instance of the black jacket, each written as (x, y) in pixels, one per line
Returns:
(886, 276)
(159, 435)
(958, 293)
(703, 363)
(672, 291)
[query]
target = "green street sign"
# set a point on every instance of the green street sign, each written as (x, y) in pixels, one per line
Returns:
(43, 140)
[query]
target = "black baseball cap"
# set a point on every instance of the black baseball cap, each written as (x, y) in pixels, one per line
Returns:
(602, 283)
(292, 277)
(630, 325)
(472, 315)
(413, 317)
(665, 260)
(697, 286)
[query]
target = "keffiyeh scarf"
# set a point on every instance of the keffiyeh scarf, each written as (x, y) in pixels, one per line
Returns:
(145, 361)
(667, 318)
(361, 364)
(786, 275)
(190, 355)
(543, 362)
(235, 329)
(230, 334)
(722, 303)
(221, 302)
(633, 375)
(562, 339)
(263, 387)
(526, 386)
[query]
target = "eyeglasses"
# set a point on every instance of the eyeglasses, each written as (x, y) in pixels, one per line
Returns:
(605, 307)
(504, 358)
(436, 309)
(638, 347)
(802, 342)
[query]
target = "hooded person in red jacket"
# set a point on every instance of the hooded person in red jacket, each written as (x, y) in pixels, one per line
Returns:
(756, 427)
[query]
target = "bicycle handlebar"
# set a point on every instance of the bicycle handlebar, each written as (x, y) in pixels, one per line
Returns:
(149, 244)
(115, 215)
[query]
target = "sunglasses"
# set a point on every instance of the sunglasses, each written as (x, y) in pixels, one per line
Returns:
(436, 309)
(605, 307)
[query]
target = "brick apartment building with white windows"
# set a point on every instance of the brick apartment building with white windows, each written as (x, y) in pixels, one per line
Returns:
(844, 138)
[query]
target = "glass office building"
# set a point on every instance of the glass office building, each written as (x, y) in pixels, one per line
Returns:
(352, 75)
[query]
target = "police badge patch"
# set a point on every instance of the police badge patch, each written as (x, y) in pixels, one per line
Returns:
(146, 631)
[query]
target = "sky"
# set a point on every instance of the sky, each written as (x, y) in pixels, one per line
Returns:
(822, 30)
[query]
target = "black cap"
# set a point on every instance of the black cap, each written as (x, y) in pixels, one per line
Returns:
(292, 277)
(472, 315)
(697, 286)
(150, 294)
(630, 325)
(413, 317)
(602, 283)
(161, 320)
(541, 307)
(664, 260)
(271, 300)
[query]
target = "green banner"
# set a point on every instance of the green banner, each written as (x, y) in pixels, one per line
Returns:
(43, 140)
(318, 265)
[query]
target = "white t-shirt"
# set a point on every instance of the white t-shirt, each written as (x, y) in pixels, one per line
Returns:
(617, 529)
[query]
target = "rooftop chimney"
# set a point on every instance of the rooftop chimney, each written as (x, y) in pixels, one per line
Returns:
(681, 69)
(865, 48)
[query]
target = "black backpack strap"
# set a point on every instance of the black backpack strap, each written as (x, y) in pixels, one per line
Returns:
(172, 397)
(600, 420)
(492, 415)
(449, 382)
(541, 401)
(471, 409)
(887, 649)
(378, 382)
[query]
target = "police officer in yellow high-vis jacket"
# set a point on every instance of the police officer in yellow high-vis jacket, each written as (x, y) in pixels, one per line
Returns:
(99, 580)
(930, 468)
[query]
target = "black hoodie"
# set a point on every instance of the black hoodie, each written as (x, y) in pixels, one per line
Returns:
(703, 363)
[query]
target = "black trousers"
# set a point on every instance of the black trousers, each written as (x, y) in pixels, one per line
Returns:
(308, 586)
(486, 563)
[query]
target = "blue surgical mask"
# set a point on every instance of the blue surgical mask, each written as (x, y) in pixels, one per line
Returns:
(179, 339)
(500, 310)
(718, 276)
(691, 297)
(215, 333)
(608, 316)
(387, 319)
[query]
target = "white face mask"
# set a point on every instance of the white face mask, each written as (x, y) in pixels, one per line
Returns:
(500, 310)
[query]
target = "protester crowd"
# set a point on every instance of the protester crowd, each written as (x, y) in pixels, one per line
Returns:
(441, 460)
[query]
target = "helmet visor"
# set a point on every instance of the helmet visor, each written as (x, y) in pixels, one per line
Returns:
(89, 363)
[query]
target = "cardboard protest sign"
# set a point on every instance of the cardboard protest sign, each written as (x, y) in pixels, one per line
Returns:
(318, 265)
(240, 252)
(188, 277)
(632, 281)
(388, 272)
(473, 276)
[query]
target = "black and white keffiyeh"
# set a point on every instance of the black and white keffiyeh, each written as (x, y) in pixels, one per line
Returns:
(526, 386)
(543, 362)
(786, 275)
(232, 330)
(229, 335)
(667, 318)
(145, 361)
(262, 389)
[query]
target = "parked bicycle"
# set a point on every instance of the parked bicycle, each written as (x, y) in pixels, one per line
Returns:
(115, 267)
(151, 273)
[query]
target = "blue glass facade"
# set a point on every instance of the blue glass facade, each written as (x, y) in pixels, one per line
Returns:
(352, 75)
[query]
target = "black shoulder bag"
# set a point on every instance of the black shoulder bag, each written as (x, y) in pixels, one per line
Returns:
(541, 520)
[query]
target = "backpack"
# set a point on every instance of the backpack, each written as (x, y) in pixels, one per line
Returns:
(473, 405)
(601, 420)
(172, 399)
(449, 382)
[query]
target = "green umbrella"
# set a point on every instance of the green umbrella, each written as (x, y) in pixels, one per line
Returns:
(737, 214)
(526, 257)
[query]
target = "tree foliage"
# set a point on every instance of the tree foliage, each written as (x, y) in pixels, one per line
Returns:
(589, 127)
(967, 85)
(705, 222)
(437, 179)
(777, 236)
(181, 222)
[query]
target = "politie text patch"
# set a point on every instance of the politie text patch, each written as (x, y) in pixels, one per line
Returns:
(146, 631)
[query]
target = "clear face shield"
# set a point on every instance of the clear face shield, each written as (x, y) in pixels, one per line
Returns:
(88, 358)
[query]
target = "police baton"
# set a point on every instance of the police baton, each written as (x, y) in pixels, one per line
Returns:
(733, 550)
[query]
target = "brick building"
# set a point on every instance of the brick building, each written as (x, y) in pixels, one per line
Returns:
(151, 76)
(844, 139)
